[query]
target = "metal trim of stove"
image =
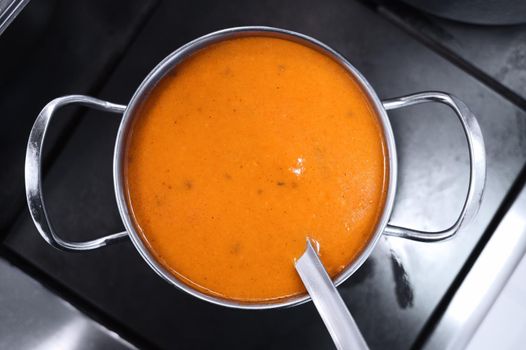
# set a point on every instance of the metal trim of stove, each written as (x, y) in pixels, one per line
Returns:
(34, 317)
(484, 282)
(9, 9)
(33, 162)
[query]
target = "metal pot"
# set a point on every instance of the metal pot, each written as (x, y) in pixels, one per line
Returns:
(33, 164)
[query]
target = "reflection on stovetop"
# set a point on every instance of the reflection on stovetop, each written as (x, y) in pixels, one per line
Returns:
(54, 323)
(54, 48)
(494, 54)
(393, 295)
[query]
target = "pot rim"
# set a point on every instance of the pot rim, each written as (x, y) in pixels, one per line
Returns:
(159, 72)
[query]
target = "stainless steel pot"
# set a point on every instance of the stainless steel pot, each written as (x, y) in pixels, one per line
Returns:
(33, 166)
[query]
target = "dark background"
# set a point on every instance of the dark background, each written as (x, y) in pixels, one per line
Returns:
(105, 49)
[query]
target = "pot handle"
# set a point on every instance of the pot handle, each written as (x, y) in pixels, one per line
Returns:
(33, 173)
(477, 156)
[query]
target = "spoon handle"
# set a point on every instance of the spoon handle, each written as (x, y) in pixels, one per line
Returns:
(328, 302)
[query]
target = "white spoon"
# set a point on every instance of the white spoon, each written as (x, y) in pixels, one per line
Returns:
(332, 309)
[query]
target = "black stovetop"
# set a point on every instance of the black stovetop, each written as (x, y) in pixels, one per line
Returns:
(105, 50)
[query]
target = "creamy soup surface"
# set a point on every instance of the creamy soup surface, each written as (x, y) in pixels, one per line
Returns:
(242, 152)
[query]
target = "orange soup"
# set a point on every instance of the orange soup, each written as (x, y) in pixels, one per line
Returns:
(246, 149)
